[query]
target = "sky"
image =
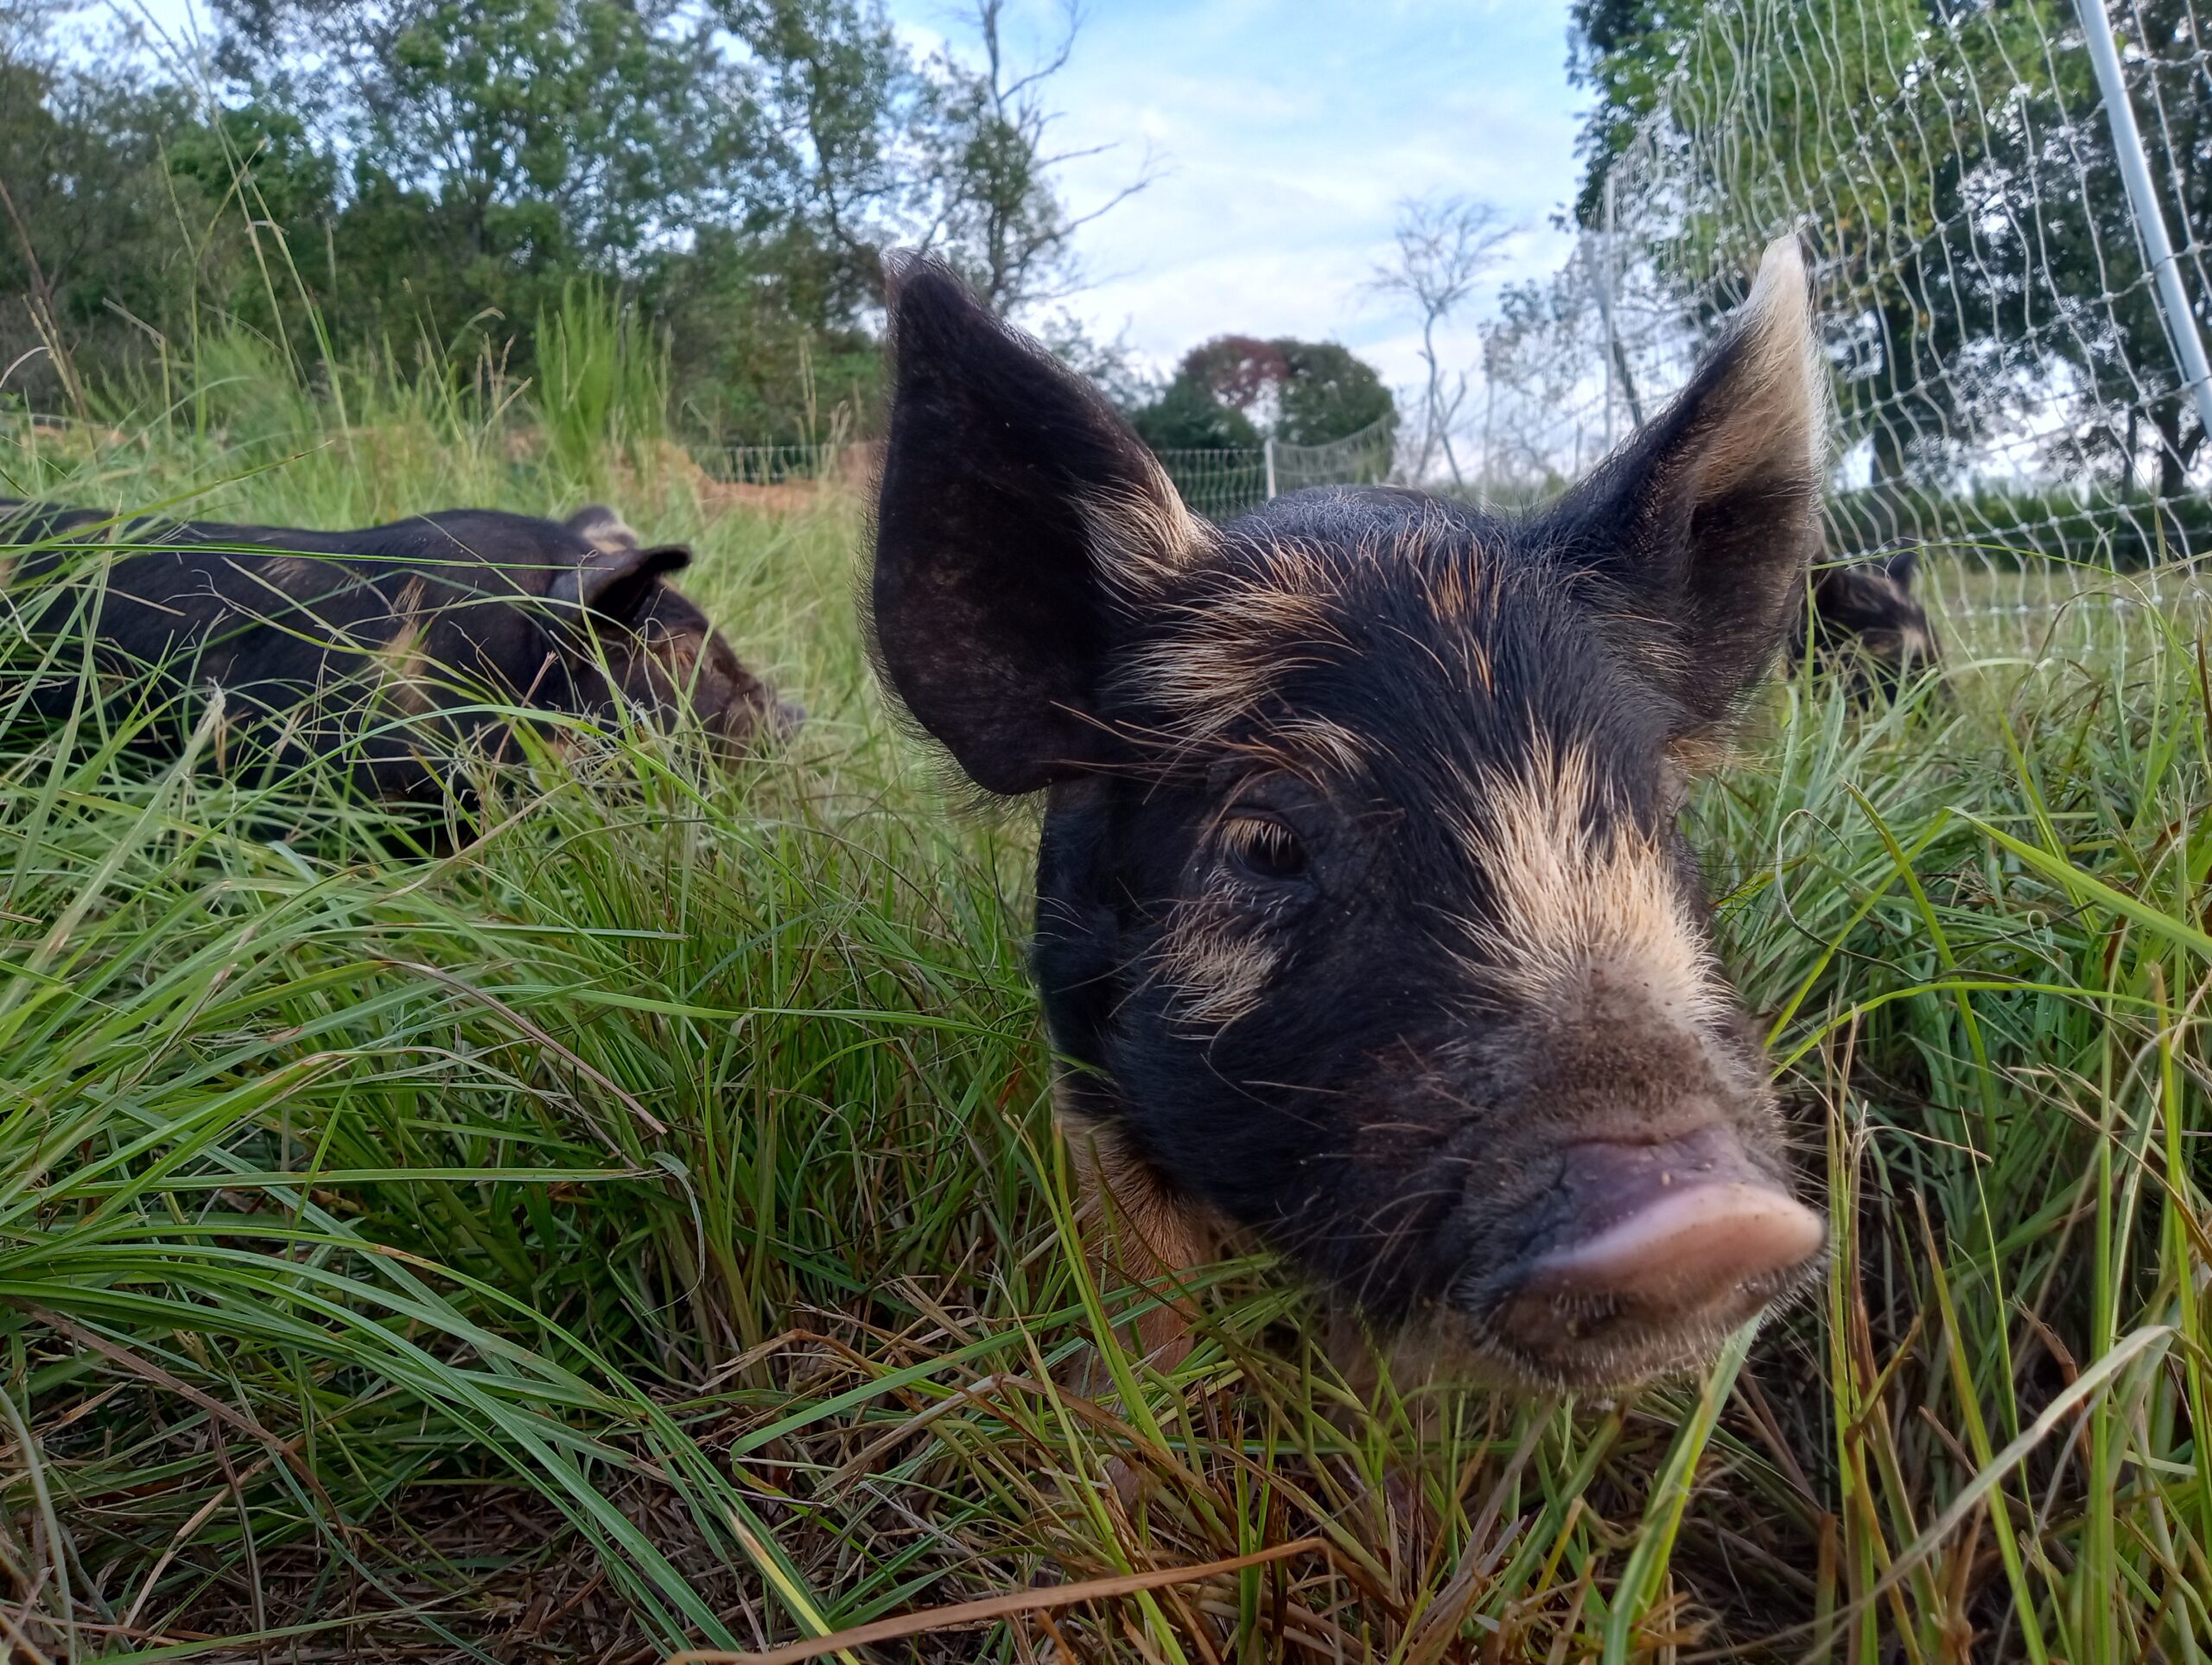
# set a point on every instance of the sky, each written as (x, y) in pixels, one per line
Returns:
(1284, 135)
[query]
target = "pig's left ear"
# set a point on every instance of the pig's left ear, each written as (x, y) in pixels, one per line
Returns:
(1016, 510)
(1699, 529)
(612, 583)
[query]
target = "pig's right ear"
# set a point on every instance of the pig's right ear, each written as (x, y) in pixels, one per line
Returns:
(1017, 512)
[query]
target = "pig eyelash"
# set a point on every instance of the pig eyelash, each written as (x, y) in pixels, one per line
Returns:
(1260, 846)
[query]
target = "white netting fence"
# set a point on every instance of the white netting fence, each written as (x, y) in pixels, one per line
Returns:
(2004, 356)
(1224, 484)
(1220, 484)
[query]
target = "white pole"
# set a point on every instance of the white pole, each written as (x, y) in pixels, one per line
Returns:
(1267, 451)
(2150, 223)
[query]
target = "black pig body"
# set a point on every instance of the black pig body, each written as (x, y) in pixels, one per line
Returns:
(1364, 920)
(383, 647)
(1865, 625)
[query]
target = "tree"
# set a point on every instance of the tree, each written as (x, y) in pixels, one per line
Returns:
(1186, 416)
(771, 336)
(988, 167)
(1443, 245)
(831, 180)
(444, 171)
(120, 217)
(1330, 394)
(500, 147)
(997, 216)
(1537, 355)
(1979, 255)
(1233, 390)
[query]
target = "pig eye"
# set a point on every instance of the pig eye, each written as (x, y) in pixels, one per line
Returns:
(1260, 847)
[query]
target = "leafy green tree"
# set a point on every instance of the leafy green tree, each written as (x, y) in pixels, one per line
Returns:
(770, 340)
(126, 213)
(500, 147)
(827, 183)
(1329, 394)
(389, 172)
(1233, 389)
(1187, 417)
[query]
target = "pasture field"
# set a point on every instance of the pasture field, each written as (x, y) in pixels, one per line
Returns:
(635, 1222)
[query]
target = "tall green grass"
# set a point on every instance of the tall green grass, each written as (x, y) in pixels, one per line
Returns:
(603, 380)
(639, 1224)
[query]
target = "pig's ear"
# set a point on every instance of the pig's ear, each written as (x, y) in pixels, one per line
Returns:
(601, 527)
(1017, 510)
(1904, 565)
(1701, 526)
(613, 582)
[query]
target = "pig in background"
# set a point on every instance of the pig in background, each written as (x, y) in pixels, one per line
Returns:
(1864, 624)
(1364, 926)
(380, 648)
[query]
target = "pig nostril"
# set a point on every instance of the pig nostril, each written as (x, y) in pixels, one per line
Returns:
(1655, 1249)
(1693, 1246)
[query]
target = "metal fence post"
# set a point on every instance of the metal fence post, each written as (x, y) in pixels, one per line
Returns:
(1267, 452)
(2150, 223)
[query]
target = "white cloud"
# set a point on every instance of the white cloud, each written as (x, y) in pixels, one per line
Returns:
(1287, 134)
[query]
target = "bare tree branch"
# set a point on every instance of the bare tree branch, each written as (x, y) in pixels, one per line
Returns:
(999, 215)
(1443, 246)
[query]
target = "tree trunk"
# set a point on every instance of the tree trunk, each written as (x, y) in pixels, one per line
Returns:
(1890, 428)
(2173, 476)
(2171, 479)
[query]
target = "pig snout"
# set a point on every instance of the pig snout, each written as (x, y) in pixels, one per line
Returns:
(1653, 1251)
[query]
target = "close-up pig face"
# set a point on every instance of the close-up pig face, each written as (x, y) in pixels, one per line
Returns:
(1364, 923)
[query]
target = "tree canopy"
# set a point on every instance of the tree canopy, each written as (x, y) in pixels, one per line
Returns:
(1952, 163)
(1236, 390)
(405, 175)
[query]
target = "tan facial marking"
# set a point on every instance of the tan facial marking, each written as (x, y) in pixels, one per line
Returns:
(1318, 741)
(1215, 971)
(1137, 1232)
(1232, 650)
(1581, 890)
